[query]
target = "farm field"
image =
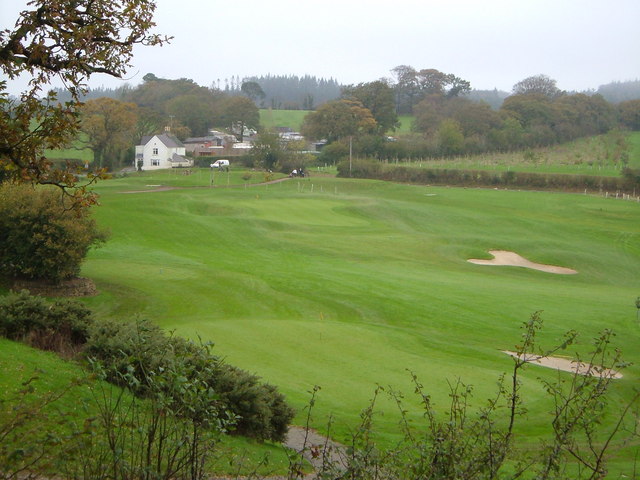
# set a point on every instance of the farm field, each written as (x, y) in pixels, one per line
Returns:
(270, 118)
(348, 284)
(585, 156)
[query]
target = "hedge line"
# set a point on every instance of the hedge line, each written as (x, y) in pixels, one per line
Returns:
(141, 357)
(628, 182)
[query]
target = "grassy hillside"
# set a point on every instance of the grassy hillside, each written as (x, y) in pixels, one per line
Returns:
(584, 156)
(347, 284)
(293, 119)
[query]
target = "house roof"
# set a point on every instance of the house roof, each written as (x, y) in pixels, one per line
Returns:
(168, 140)
(208, 138)
(175, 158)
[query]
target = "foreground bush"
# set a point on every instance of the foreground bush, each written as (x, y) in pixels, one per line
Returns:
(142, 351)
(40, 238)
(60, 326)
(143, 359)
(261, 410)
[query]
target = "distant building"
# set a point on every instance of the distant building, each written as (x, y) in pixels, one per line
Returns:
(216, 143)
(161, 151)
(291, 135)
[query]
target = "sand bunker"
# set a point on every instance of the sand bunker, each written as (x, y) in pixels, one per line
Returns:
(567, 365)
(511, 259)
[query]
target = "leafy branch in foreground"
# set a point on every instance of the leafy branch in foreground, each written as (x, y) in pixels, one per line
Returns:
(481, 443)
(71, 40)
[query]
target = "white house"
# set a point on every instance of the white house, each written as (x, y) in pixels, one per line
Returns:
(161, 151)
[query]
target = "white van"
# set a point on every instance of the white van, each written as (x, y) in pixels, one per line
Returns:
(220, 164)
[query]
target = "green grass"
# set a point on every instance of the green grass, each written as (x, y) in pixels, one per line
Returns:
(191, 177)
(270, 118)
(406, 122)
(76, 152)
(346, 284)
(84, 155)
(633, 140)
(19, 363)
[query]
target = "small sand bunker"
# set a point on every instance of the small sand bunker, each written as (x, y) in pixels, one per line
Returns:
(567, 365)
(511, 259)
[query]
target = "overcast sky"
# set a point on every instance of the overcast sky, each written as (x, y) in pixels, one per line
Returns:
(491, 43)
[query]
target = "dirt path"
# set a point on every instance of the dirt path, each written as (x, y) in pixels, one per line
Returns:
(315, 448)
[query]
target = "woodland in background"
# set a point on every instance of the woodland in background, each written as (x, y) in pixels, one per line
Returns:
(449, 117)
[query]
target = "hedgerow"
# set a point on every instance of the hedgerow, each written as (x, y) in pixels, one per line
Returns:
(141, 357)
(628, 183)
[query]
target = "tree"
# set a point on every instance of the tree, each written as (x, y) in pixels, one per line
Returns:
(198, 111)
(267, 151)
(475, 118)
(378, 97)
(73, 40)
(149, 122)
(179, 103)
(40, 238)
(412, 86)
(581, 115)
(630, 114)
(406, 87)
(253, 90)
(429, 113)
(339, 119)
(537, 84)
(239, 113)
(530, 109)
(109, 126)
(450, 137)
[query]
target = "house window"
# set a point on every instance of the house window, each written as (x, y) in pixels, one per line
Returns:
(155, 162)
(155, 151)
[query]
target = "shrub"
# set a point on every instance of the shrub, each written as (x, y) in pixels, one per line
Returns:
(39, 237)
(362, 168)
(135, 355)
(262, 411)
(334, 152)
(59, 326)
(629, 182)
